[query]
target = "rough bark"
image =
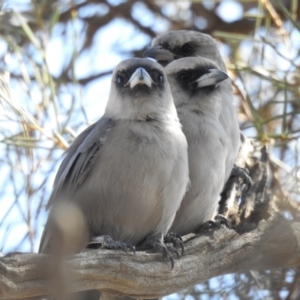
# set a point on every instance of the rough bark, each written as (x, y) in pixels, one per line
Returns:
(274, 243)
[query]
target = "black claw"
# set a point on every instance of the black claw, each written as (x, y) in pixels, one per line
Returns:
(131, 248)
(177, 253)
(222, 221)
(206, 226)
(174, 250)
(176, 240)
(219, 222)
(106, 242)
(182, 248)
(172, 262)
(119, 245)
(158, 244)
(168, 256)
(243, 174)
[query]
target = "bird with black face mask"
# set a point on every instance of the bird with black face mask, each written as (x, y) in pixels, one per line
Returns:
(187, 43)
(128, 172)
(197, 91)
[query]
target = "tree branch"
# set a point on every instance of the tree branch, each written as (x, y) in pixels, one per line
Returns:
(274, 243)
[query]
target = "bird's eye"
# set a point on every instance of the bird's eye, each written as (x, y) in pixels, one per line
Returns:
(159, 77)
(186, 48)
(185, 76)
(120, 79)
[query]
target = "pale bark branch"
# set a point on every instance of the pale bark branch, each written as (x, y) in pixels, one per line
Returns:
(273, 244)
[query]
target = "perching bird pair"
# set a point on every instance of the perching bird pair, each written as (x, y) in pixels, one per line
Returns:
(139, 171)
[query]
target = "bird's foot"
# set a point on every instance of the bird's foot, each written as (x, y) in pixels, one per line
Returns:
(237, 174)
(243, 174)
(157, 243)
(175, 239)
(219, 222)
(106, 242)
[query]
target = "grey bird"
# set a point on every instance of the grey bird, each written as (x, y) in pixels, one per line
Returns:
(187, 43)
(196, 85)
(128, 172)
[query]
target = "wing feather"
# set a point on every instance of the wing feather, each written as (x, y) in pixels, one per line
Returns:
(79, 158)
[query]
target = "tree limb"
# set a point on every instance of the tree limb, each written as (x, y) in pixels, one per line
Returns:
(273, 244)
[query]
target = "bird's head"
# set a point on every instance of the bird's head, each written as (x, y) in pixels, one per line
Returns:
(139, 88)
(195, 82)
(183, 43)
